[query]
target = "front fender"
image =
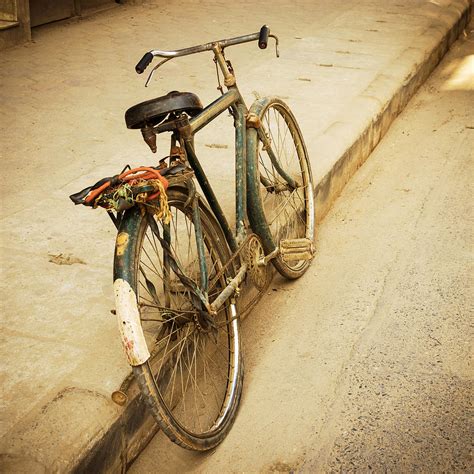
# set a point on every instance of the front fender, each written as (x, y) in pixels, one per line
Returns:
(254, 208)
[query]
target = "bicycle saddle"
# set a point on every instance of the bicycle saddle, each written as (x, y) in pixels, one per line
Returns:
(154, 111)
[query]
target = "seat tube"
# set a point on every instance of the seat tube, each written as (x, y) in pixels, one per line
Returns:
(239, 111)
(240, 170)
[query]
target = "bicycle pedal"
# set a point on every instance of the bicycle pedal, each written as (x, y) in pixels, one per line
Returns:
(293, 250)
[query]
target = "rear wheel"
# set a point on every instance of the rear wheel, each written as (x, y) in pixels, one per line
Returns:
(281, 188)
(193, 379)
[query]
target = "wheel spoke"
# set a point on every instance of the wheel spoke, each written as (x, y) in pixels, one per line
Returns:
(194, 371)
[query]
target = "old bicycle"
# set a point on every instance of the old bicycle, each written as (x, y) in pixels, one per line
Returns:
(179, 267)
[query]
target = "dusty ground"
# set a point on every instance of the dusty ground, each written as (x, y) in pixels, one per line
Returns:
(366, 363)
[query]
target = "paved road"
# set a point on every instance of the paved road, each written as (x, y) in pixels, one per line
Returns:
(373, 370)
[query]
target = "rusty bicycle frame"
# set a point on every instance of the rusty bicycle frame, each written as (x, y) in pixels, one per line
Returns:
(199, 292)
(187, 290)
(248, 129)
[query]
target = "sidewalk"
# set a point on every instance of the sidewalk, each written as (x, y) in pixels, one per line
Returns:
(346, 70)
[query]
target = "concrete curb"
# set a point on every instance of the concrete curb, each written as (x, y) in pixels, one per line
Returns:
(113, 444)
(356, 152)
(117, 448)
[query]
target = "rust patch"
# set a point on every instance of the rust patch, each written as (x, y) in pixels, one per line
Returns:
(252, 120)
(121, 243)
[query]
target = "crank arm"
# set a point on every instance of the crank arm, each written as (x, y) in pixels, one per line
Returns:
(263, 262)
(229, 290)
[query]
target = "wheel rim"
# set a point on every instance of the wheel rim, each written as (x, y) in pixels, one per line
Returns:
(288, 212)
(194, 360)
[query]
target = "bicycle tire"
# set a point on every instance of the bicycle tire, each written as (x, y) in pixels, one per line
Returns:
(197, 366)
(277, 211)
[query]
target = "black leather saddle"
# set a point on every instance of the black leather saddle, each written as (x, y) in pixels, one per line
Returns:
(154, 111)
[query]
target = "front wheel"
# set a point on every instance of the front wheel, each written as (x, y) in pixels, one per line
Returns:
(187, 363)
(280, 185)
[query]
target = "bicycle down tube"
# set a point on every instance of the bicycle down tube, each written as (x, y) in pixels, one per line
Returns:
(231, 99)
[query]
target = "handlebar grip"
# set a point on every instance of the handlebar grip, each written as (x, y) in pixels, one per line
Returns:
(144, 62)
(263, 38)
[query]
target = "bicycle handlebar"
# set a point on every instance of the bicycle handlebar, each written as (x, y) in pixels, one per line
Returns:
(144, 62)
(261, 37)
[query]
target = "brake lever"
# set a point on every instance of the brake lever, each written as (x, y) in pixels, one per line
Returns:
(276, 44)
(154, 69)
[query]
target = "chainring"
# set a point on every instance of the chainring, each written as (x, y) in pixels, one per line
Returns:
(259, 274)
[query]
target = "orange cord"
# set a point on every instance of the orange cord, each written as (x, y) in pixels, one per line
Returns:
(143, 172)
